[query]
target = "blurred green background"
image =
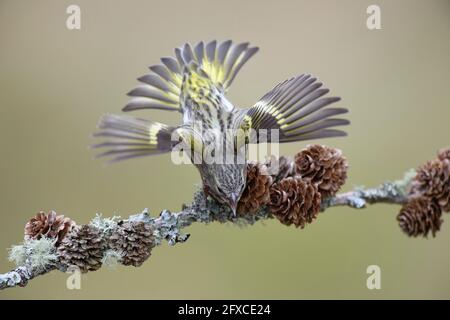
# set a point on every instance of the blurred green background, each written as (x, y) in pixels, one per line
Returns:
(56, 83)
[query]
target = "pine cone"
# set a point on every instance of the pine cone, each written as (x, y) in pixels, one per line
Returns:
(420, 216)
(82, 247)
(323, 166)
(256, 192)
(433, 180)
(444, 154)
(283, 169)
(134, 241)
(50, 225)
(295, 201)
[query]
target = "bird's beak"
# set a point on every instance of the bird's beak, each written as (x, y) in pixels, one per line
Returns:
(233, 203)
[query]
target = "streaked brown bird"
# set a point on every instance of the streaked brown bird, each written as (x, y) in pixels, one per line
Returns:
(194, 83)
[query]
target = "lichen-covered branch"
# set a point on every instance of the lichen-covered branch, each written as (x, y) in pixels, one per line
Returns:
(294, 195)
(20, 276)
(389, 192)
(168, 226)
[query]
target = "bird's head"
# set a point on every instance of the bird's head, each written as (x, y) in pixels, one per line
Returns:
(225, 182)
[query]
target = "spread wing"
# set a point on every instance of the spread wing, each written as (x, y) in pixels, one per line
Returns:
(128, 137)
(298, 109)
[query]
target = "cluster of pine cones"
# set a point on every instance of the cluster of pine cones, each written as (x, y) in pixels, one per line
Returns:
(84, 246)
(429, 196)
(293, 189)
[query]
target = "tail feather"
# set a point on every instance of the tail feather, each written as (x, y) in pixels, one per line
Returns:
(161, 88)
(129, 137)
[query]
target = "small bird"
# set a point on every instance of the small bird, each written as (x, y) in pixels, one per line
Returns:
(194, 83)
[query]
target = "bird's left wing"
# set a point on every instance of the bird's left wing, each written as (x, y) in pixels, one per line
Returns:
(298, 109)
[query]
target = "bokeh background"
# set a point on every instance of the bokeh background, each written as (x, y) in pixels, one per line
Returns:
(56, 83)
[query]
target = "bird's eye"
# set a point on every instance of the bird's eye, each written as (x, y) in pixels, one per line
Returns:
(219, 190)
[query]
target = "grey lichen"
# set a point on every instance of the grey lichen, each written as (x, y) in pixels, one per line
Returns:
(41, 253)
(106, 225)
(16, 277)
(111, 258)
(143, 216)
(36, 254)
(168, 226)
(388, 192)
(404, 183)
(17, 254)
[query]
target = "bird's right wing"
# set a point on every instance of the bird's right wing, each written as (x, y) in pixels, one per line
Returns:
(297, 108)
(128, 137)
(161, 88)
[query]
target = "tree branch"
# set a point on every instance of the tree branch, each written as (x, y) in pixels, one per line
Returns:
(168, 225)
(388, 192)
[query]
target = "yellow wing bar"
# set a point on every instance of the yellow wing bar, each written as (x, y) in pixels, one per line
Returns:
(298, 109)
